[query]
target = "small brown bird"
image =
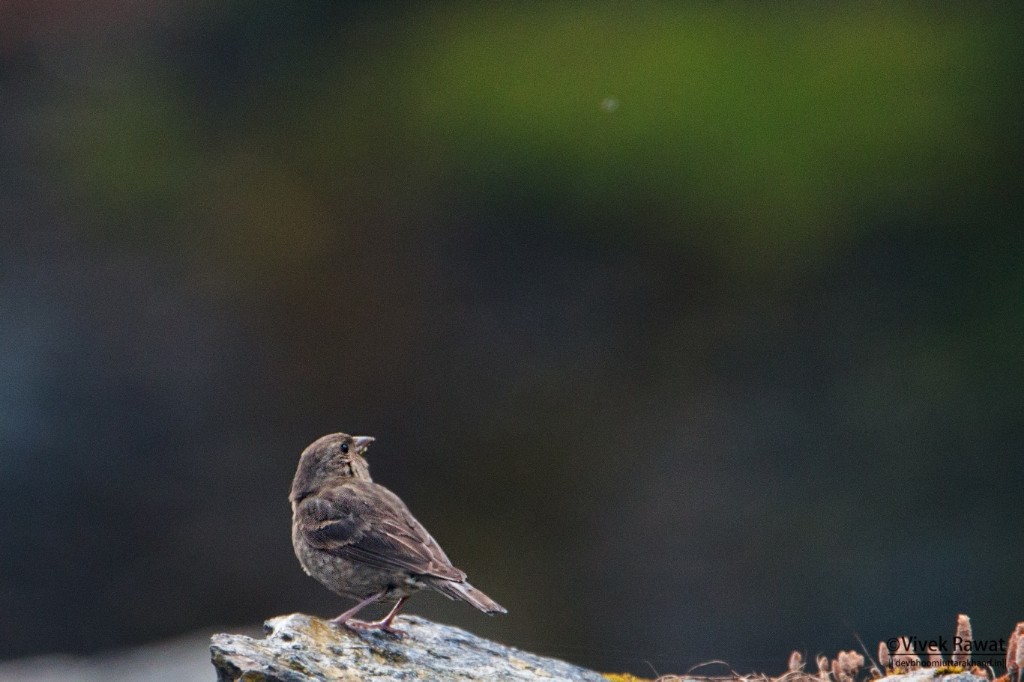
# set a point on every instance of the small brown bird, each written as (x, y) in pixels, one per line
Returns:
(360, 541)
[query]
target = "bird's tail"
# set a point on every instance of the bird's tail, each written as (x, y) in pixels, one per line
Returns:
(466, 592)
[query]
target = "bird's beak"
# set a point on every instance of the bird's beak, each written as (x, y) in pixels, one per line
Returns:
(361, 443)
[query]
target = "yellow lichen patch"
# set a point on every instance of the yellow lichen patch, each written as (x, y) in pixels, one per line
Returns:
(949, 670)
(623, 677)
(321, 631)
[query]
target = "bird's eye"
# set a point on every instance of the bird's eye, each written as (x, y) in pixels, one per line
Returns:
(344, 448)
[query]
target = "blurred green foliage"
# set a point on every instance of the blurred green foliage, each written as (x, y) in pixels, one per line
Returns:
(765, 133)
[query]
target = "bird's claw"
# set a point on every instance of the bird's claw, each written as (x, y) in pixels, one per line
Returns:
(364, 626)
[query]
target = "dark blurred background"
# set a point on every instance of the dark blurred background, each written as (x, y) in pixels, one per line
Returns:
(690, 331)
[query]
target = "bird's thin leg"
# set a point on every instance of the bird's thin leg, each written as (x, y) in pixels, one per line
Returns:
(386, 622)
(347, 616)
(382, 624)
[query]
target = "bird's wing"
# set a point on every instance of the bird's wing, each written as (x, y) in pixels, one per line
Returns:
(366, 522)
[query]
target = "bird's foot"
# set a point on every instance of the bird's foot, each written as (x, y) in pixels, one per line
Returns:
(382, 625)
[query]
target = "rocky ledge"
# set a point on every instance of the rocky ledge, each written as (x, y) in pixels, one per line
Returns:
(300, 648)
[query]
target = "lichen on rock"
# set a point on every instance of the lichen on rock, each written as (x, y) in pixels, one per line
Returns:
(301, 648)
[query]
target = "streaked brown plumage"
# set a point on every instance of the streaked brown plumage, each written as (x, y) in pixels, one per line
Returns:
(360, 540)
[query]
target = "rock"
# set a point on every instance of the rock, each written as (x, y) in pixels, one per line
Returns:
(300, 648)
(926, 674)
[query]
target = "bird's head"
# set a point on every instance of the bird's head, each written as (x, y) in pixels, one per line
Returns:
(330, 459)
